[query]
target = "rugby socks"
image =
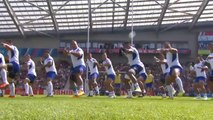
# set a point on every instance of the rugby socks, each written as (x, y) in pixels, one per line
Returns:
(205, 95)
(173, 90)
(30, 90)
(50, 88)
(75, 90)
(129, 92)
(12, 89)
(169, 89)
(164, 95)
(91, 92)
(26, 88)
(112, 93)
(180, 84)
(47, 89)
(97, 89)
(136, 86)
(81, 88)
(198, 96)
(4, 76)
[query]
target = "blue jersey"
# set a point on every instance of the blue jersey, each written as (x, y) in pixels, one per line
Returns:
(13, 54)
(165, 67)
(134, 57)
(173, 59)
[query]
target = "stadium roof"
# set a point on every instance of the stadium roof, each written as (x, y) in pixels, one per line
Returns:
(24, 17)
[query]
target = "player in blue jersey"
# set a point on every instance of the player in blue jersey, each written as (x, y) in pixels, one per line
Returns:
(107, 64)
(13, 66)
(48, 63)
(31, 75)
(77, 58)
(94, 73)
(199, 70)
(165, 74)
(209, 59)
(137, 68)
(172, 58)
(3, 73)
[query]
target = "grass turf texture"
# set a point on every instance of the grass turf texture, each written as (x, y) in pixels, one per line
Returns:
(103, 108)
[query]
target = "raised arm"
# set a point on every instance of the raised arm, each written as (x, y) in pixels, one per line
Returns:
(78, 53)
(66, 52)
(7, 46)
(127, 51)
(49, 64)
(172, 50)
(204, 68)
(106, 63)
(159, 61)
(209, 58)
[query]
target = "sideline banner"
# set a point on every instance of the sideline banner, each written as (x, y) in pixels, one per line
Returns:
(54, 52)
(204, 38)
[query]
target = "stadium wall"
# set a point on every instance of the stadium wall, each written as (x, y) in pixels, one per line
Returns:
(171, 35)
(182, 35)
(36, 42)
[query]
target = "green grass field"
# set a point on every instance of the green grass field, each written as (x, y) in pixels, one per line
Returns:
(103, 108)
